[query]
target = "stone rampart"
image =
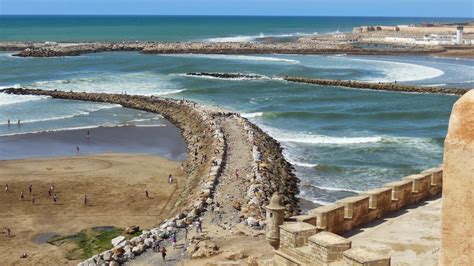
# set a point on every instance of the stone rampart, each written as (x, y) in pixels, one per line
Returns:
(352, 212)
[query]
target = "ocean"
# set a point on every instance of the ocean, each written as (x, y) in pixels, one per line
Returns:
(341, 141)
(182, 28)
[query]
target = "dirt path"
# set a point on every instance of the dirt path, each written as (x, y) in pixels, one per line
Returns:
(231, 187)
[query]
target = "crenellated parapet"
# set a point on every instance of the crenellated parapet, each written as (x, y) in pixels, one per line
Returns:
(315, 238)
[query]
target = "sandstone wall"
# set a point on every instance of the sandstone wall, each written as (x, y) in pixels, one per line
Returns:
(457, 236)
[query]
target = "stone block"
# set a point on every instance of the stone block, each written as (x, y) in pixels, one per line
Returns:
(329, 218)
(379, 199)
(356, 209)
(364, 257)
(328, 247)
(296, 234)
(421, 186)
(401, 193)
(436, 179)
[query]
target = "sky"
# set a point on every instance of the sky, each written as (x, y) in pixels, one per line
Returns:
(403, 8)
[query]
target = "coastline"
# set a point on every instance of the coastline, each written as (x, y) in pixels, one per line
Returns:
(229, 143)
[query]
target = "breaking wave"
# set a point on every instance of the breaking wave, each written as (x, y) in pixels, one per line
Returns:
(237, 57)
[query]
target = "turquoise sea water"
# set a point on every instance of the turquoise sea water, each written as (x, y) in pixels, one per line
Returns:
(181, 28)
(340, 140)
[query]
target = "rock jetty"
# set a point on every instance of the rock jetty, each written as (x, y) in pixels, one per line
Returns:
(28, 49)
(237, 76)
(207, 131)
(378, 86)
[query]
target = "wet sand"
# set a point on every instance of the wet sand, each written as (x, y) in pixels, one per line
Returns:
(163, 141)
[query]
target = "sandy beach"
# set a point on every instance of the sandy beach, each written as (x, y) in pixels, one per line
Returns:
(115, 185)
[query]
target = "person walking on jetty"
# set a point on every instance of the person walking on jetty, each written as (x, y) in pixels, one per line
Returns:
(163, 253)
(198, 226)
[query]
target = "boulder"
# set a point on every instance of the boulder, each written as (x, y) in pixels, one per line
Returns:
(116, 241)
(132, 229)
(251, 221)
(107, 255)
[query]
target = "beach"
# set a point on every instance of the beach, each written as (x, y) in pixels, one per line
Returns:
(115, 185)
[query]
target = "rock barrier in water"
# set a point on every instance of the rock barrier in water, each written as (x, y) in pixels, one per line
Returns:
(28, 49)
(378, 86)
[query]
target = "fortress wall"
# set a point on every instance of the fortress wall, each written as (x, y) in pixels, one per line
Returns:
(352, 212)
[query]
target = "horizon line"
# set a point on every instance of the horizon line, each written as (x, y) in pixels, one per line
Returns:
(238, 15)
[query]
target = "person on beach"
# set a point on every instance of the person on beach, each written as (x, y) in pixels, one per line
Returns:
(146, 194)
(163, 253)
(170, 179)
(19, 122)
(55, 198)
(22, 196)
(30, 188)
(85, 199)
(7, 188)
(52, 187)
(33, 199)
(50, 193)
(88, 135)
(77, 150)
(237, 173)
(8, 122)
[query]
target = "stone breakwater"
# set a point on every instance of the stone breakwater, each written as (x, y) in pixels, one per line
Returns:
(334, 82)
(201, 127)
(378, 86)
(74, 49)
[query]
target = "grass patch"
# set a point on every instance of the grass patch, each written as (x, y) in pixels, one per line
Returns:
(89, 242)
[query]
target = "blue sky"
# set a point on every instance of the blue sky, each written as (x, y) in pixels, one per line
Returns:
(406, 8)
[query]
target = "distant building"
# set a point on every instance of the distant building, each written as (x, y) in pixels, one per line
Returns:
(459, 34)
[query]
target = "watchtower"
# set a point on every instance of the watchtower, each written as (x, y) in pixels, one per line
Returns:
(275, 217)
(459, 34)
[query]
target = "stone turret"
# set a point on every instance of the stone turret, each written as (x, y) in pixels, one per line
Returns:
(275, 217)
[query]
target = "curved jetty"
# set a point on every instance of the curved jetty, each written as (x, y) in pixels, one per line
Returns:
(231, 162)
(378, 86)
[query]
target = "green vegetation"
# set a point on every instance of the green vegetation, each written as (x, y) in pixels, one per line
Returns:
(90, 241)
